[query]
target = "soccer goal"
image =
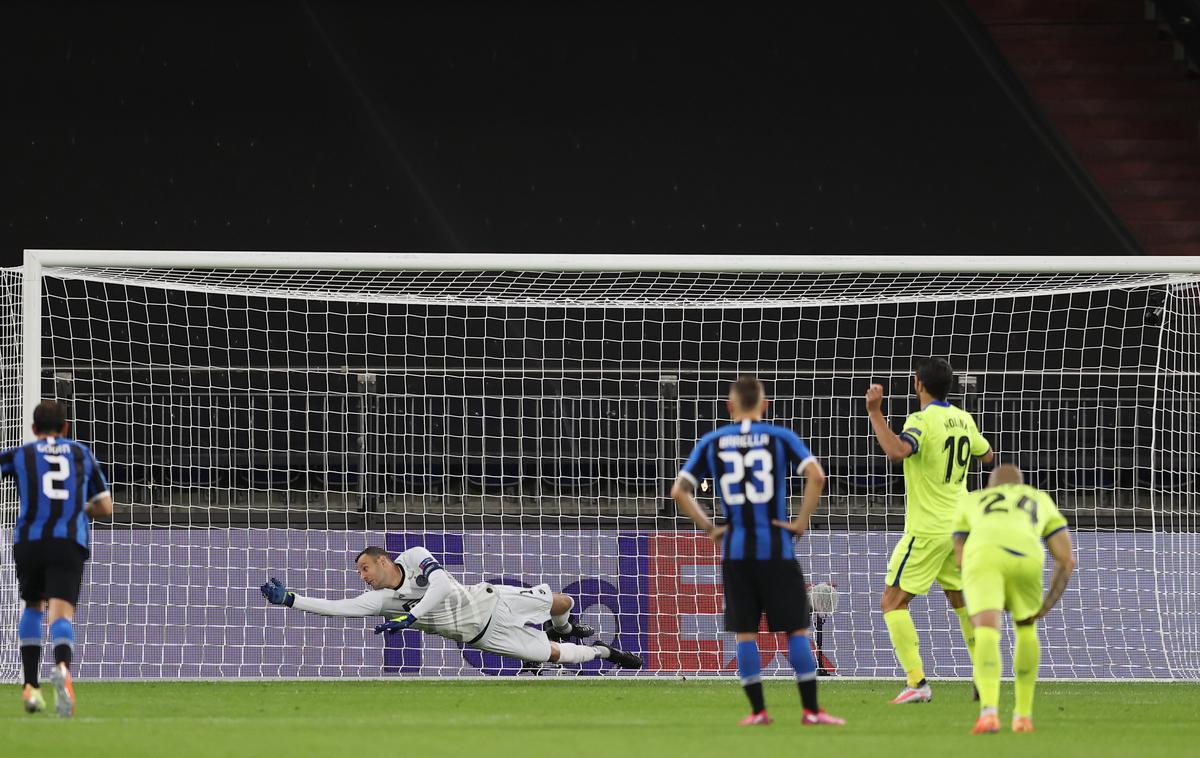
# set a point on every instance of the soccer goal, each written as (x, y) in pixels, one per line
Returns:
(523, 417)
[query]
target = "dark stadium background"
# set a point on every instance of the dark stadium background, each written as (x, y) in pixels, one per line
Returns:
(855, 127)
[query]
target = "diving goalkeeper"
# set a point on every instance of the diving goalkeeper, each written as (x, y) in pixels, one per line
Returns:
(415, 591)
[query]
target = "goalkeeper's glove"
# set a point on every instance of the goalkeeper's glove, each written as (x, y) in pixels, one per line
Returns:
(403, 621)
(277, 594)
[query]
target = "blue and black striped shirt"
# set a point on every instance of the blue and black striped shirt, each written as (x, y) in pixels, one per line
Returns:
(55, 477)
(751, 462)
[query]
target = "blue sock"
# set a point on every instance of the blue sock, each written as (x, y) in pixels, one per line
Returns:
(749, 664)
(750, 672)
(62, 637)
(29, 636)
(29, 629)
(800, 654)
(805, 666)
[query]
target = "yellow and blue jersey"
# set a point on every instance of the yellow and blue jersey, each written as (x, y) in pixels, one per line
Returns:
(55, 478)
(944, 441)
(751, 462)
(1014, 517)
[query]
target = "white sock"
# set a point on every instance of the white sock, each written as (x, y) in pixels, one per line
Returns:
(562, 621)
(569, 652)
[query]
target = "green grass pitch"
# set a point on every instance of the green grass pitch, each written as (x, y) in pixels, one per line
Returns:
(581, 717)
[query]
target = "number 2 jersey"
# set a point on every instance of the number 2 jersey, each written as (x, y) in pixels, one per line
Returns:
(751, 463)
(56, 478)
(1014, 517)
(944, 440)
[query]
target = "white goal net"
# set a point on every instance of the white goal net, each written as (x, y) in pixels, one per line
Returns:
(266, 416)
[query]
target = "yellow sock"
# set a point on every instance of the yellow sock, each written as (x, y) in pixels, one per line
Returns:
(968, 630)
(1026, 657)
(904, 639)
(987, 666)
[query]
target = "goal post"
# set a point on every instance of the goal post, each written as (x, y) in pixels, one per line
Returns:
(523, 416)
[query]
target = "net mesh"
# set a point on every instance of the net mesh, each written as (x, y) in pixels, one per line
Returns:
(11, 428)
(526, 428)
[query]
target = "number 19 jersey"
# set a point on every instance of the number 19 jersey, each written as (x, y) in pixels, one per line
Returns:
(944, 439)
(751, 462)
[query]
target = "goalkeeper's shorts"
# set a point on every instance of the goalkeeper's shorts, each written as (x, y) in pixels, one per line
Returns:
(918, 561)
(515, 628)
(995, 578)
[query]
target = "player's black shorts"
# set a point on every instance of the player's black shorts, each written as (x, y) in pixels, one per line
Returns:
(49, 569)
(774, 587)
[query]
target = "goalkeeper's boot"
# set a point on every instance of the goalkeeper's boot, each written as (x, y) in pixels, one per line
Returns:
(1022, 724)
(756, 719)
(922, 694)
(820, 718)
(987, 723)
(33, 700)
(579, 631)
(620, 657)
(64, 692)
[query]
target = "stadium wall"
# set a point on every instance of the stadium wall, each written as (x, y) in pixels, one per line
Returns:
(179, 603)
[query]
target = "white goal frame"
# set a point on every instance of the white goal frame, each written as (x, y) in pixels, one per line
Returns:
(38, 261)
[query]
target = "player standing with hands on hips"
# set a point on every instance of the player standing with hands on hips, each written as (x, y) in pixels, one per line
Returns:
(751, 461)
(61, 488)
(937, 445)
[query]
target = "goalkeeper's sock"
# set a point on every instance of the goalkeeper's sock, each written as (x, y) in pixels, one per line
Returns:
(29, 634)
(62, 636)
(987, 667)
(750, 673)
(562, 621)
(569, 652)
(1026, 657)
(968, 630)
(908, 648)
(805, 666)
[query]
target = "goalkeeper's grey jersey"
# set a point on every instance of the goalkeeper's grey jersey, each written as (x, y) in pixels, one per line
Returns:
(460, 615)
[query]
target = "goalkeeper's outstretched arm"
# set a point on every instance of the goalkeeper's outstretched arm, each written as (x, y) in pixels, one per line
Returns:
(366, 604)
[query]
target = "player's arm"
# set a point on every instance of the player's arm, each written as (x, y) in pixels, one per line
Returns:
(895, 447)
(1059, 544)
(100, 502)
(684, 493)
(814, 485)
(366, 604)
(981, 449)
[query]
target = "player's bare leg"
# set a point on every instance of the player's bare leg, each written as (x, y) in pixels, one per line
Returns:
(955, 598)
(987, 670)
(564, 626)
(894, 605)
(62, 637)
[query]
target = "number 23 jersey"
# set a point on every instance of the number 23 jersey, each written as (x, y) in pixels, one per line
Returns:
(751, 463)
